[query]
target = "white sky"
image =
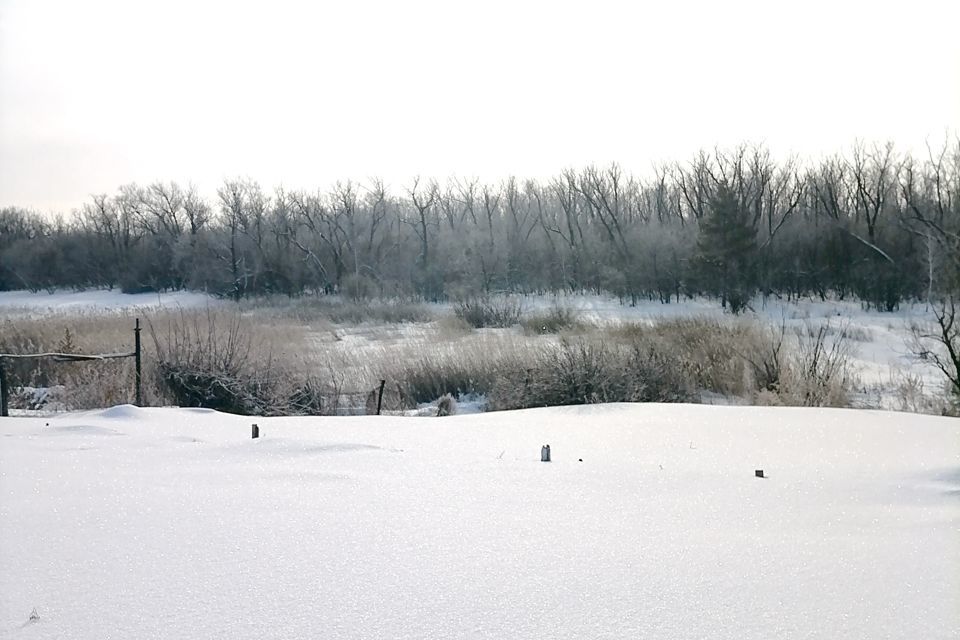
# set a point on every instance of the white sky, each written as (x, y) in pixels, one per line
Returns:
(98, 93)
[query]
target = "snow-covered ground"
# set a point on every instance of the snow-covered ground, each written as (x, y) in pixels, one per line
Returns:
(173, 523)
(14, 303)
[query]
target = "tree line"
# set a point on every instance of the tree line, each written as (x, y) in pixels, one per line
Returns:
(871, 223)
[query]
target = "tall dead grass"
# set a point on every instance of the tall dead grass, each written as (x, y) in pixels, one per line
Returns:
(74, 385)
(256, 361)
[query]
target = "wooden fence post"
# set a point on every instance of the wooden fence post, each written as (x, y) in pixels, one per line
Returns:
(138, 389)
(380, 396)
(4, 412)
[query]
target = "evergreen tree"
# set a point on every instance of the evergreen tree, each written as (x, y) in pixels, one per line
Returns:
(727, 251)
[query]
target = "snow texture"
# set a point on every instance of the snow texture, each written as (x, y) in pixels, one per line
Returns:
(174, 523)
(14, 303)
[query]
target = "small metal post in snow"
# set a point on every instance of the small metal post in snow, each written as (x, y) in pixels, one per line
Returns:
(545, 453)
(255, 431)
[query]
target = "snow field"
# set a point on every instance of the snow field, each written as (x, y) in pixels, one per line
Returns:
(173, 523)
(14, 303)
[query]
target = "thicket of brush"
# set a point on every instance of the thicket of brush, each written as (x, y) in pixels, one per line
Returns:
(671, 361)
(585, 371)
(227, 362)
(489, 312)
(240, 363)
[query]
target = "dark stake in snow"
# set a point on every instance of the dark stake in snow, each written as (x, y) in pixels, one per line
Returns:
(545, 453)
(255, 432)
(758, 473)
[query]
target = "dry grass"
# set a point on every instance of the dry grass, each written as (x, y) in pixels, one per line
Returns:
(498, 312)
(748, 360)
(338, 311)
(282, 364)
(709, 350)
(556, 319)
(86, 385)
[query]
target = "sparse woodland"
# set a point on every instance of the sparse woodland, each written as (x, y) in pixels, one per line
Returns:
(871, 224)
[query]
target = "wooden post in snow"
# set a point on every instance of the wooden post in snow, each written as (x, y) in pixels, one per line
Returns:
(255, 432)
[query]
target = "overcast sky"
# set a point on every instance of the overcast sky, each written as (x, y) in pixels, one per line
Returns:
(99, 93)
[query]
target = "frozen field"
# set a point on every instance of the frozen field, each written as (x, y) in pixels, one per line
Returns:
(173, 523)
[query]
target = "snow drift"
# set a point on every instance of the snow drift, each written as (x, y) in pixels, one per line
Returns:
(174, 523)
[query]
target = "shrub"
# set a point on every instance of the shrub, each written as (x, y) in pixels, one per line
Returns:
(819, 374)
(708, 350)
(209, 361)
(745, 360)
(553, 320)
(588, 372)
(494, 312)
(767, 360)
(429, 377)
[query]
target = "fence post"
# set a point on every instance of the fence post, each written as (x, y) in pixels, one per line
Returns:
(138, 388)
(3, 390)
(380, 396)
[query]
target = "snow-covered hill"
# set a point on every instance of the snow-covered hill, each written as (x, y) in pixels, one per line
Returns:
(174, 523)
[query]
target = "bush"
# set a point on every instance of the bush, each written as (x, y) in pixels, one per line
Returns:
(208, 361)
(767, 360)
(588, 372)
(499, 312)
(819, 374)
(429, 377)
(553, 320)
(708, 350)
(745, 360)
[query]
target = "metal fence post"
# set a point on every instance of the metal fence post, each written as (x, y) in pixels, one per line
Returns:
(4, 412)
(380, 396)
(138, 389)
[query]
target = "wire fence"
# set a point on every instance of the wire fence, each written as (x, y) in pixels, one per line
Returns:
(59, 357)
(310, 397)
